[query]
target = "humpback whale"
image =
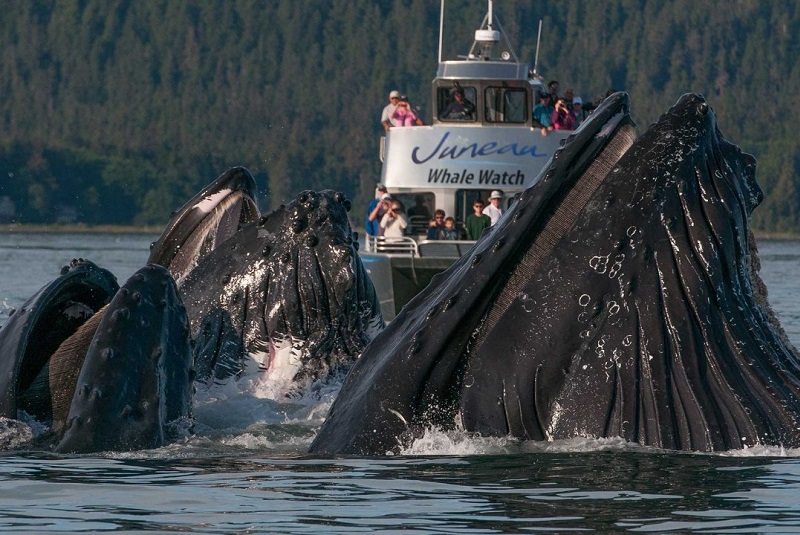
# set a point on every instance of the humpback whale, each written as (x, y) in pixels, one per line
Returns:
(287, 294)
(284, 296)
(619, 297)
(284, 293)
(108, 368)
(35, 331)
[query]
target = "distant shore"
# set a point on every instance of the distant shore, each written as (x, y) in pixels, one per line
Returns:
(79, 228)
(776, 236)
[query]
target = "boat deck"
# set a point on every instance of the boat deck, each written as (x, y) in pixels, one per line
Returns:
(401, 267)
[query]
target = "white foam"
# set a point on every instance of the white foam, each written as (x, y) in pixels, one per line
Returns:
(460, 443)
(14, 434)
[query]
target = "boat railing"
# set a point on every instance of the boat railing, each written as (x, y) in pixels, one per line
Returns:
(408, 246)
(400, 246)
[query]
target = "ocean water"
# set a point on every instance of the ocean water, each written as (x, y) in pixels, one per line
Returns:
(246, 470)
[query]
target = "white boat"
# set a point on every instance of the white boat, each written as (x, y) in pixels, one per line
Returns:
(457, 159)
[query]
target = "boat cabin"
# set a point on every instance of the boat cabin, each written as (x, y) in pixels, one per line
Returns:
(481, 138)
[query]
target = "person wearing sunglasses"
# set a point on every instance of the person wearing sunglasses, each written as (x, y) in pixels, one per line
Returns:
(394, 221)
(436, 226)
(477, 221)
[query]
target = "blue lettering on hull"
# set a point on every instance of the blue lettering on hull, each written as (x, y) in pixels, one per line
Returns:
(455, 152)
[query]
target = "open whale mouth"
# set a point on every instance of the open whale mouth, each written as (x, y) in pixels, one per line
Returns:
(215, 214)
(473, 293)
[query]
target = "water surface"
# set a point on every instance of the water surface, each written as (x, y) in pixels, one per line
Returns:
(246, 470)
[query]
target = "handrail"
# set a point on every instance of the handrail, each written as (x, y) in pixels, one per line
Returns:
(410, 247)
(381, 244)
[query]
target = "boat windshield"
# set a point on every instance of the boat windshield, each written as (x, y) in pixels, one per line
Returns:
(506, 104)
(456, 104)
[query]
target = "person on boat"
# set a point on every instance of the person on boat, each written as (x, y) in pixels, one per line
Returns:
(460, 109)
(562, 118)
(388, 110)
(394, 221)
(552, 87)
(569, 96)
(493, 209)
(578, 111)
(404, 114)
(450, 231)
(542, 113)
(436, 226)
(379, 208)
(477, 221)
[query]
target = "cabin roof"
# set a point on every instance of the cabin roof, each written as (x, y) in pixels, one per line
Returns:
(488, 70)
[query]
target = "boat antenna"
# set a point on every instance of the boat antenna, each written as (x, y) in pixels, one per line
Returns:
(538, 40)
(441, 27)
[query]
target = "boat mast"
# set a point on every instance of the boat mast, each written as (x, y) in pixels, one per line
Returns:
(441, 27)
(538, 40)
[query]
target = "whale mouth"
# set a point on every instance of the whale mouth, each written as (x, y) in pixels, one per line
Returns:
(215, 214)
(488, 277)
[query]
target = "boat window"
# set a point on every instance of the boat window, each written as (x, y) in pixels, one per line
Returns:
(506, 105)
(450, 107)
(419, 207)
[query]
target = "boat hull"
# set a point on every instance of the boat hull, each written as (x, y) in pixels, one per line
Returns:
(398, 278)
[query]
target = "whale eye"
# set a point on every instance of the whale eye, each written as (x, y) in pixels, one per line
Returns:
(702, 108)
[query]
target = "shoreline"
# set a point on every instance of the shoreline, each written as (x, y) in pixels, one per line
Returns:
(80, 228)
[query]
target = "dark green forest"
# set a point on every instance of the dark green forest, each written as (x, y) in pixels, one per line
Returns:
(117, 112)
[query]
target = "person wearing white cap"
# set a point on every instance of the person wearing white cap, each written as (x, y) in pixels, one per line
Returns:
(378, 210)
(375, 210)
(493, 209)
(388, 110)
(577, 109)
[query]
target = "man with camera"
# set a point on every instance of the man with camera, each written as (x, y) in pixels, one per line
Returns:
(394, 221)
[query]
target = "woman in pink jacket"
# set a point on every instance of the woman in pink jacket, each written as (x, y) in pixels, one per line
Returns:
(562, 117)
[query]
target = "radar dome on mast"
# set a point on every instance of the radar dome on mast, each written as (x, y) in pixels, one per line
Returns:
(486, 38)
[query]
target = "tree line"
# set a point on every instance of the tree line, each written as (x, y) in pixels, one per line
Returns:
(117, 112)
